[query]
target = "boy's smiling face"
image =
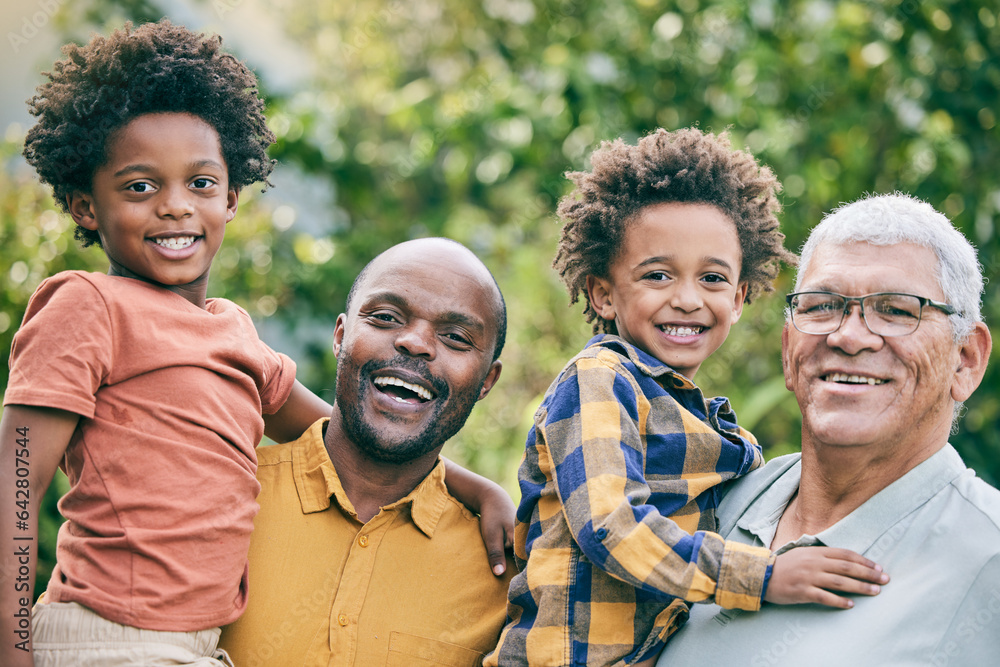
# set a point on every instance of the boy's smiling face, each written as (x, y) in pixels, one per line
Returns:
(674, 289)
(161, 201)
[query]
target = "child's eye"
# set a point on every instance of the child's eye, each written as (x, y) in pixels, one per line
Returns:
(715, 278)
(139, 187)
(202, 183)
(656, 276)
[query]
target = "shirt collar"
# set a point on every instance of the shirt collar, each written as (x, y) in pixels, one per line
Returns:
(859, 530)
(317, 482)
(646, 363)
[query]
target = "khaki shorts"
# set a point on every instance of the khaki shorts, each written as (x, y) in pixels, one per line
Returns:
(67, 634)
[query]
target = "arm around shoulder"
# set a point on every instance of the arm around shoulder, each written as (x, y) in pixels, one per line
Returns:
(494, 507)
(300, 410)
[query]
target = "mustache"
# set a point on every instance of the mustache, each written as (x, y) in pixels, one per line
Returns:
(412, 365)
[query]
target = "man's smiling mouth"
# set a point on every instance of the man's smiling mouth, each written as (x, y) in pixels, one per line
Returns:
(844, 378)
(671, 330)
(175, 242)
(402, 391)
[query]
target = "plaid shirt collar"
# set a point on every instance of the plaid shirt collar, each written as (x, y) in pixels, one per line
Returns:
(646, 363)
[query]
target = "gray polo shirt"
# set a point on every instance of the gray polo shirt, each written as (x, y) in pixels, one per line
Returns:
(936, 531)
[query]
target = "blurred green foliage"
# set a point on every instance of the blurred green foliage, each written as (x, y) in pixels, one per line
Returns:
(441, 117)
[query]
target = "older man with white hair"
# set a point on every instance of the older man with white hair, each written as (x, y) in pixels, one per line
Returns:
(883, 341)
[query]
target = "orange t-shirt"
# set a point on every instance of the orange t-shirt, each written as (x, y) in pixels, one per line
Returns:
(162, 464)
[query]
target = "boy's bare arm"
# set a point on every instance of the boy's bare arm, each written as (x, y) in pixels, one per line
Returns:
(32, 442)
(809, 574)
(495, 508)
(300, 411)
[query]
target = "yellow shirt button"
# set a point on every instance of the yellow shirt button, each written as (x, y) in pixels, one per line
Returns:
(363, 541)
(342, 619)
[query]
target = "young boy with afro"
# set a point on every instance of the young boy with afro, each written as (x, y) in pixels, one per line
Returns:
(666, 240)
(149, 395)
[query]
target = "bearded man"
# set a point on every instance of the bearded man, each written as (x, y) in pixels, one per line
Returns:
(360, 556)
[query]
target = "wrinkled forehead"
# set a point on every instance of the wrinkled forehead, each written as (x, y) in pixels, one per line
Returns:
(433, 277)
(858, 268)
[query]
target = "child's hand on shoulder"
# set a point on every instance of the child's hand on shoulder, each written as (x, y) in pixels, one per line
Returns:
(496, 523)
(495, 509)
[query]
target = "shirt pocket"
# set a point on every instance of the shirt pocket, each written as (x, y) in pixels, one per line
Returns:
(413, 651)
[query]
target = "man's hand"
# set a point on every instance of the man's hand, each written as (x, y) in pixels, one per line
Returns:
(494, 507)
(809, 574)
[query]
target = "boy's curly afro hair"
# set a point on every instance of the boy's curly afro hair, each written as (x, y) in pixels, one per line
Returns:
(684, 166)
(158, 67)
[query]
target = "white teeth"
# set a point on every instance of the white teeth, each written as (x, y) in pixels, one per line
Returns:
(416, 389)
(175, 242)
(853, 379)
(681, 331)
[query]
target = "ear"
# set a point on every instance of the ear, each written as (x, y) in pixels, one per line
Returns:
(973, 354)
(599, 294)
(232, 203)
(81, 207)
(785, 363)
(338, 334)
(491, 379)
(741, 296)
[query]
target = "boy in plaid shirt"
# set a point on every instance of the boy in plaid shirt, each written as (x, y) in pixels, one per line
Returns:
(621, 476)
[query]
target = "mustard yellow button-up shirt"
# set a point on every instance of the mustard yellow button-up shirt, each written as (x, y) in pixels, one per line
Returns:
(410, 587)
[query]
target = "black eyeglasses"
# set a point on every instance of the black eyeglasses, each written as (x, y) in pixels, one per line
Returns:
(884, 313)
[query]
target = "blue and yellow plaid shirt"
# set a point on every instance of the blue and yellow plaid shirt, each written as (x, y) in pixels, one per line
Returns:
(619, 485)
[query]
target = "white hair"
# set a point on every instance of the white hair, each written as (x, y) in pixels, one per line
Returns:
(885, 220)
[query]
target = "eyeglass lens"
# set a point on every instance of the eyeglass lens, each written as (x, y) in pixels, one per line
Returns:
(885, 314)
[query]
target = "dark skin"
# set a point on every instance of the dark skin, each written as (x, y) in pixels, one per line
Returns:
(164, 182)
(160, 204)
(165, 179)
(424, 328)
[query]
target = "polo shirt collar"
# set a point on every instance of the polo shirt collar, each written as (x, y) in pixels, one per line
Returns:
(316, 482)
(859, 530)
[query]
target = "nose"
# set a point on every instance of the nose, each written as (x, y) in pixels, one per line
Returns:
(854, 336)
(416, 339)
(685, 296)
(175, 202)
